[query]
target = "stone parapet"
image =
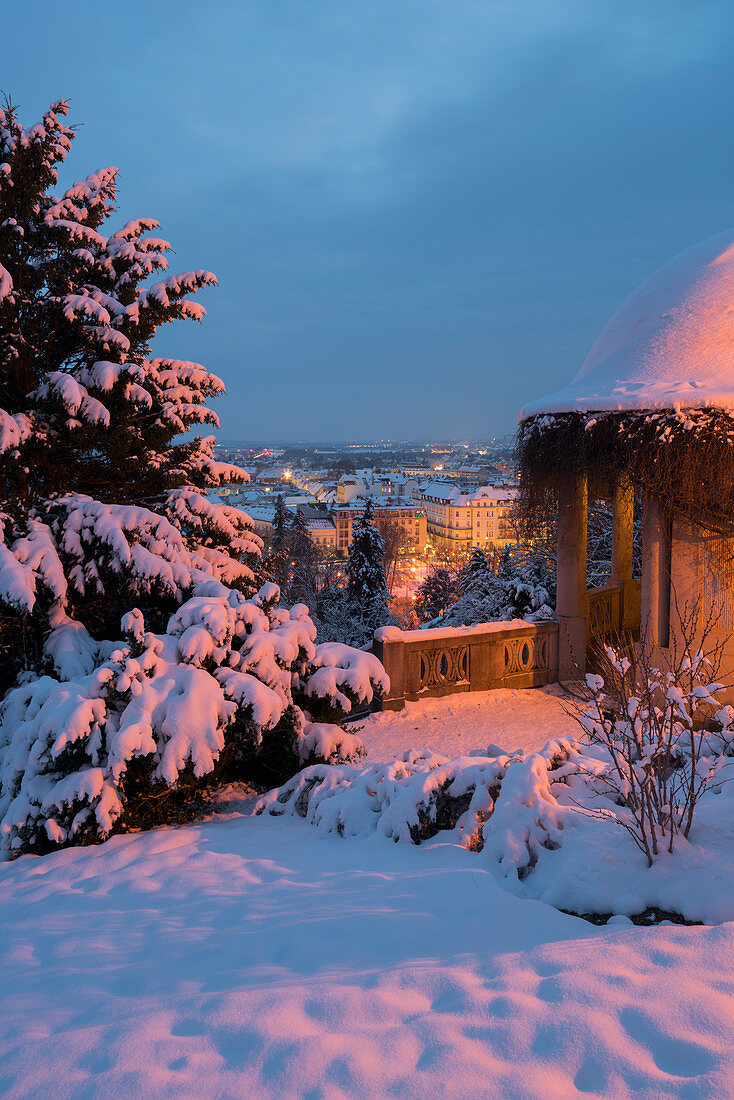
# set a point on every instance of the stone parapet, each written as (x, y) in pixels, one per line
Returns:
(426, 664)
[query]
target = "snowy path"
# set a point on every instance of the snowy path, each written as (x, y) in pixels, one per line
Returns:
(457, 724)
(254, 958)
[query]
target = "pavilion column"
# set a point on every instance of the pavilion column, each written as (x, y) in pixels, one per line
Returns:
(571, 576)
(656, 540)
(623, 508)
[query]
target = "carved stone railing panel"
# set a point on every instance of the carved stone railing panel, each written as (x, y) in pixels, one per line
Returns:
(526, 655)
(440, 667)
(603, 612)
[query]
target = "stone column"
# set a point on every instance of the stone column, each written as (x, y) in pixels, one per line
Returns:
(623, 505)
(571, 577)
(655, 610)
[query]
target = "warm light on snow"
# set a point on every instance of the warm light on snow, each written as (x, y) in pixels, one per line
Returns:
(669, 345)
(251, 957)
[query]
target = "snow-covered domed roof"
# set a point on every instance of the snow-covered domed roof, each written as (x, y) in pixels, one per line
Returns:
(669, 345)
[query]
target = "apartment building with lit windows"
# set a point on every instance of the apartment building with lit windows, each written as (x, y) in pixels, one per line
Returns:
(457, 521)
(332, 530)
(409, 518)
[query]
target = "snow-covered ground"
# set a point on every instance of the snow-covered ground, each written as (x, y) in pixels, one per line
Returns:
(456, 725)
(256, 957)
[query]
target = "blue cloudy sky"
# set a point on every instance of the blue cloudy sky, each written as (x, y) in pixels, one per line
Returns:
(420, 211)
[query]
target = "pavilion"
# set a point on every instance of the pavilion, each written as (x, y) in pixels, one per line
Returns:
(650, 415)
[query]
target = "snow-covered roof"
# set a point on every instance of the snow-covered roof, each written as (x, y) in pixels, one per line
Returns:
(490, 492)
(669, 345)
(441, 490)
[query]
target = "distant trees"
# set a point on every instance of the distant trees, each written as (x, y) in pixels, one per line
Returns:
(303, 559)
(281, 524)
(291, 560)
(395, 543)
(276, 562)
(343, 465)
(543, 537)
(348, 600)
(518, 583)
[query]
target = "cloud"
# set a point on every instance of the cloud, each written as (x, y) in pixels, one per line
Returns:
(321, 94)
(421, 211)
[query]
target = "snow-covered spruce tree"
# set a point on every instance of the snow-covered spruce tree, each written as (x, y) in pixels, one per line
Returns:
(365, 571)
(302, 560)
(437, 592)
(477, 565)
(277, 558)
(280, 540)
(146, 664)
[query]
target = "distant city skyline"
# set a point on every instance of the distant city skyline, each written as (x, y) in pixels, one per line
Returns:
(420, 213)
(276, 442)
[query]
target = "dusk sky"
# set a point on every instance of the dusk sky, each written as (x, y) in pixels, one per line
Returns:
(420, 212)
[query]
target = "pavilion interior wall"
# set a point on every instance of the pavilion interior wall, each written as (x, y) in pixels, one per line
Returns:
(702, 575)
(687, 570)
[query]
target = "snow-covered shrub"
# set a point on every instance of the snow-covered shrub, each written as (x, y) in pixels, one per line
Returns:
(164, 711)
(505, 806)
(543, 824)
(324, 741)
(142, 655)
(339, 677)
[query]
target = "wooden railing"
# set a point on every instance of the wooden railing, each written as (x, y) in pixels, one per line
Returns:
(429, 663)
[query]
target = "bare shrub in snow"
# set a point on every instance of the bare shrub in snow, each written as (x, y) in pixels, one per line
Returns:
(656, 724)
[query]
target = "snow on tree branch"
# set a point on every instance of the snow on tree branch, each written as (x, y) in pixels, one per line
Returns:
(139, 659)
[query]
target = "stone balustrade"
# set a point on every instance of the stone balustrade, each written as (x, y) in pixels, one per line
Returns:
(613, 609)
(425, 664)
(603, 611)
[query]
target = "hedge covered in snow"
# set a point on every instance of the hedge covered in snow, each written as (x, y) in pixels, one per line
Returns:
(546, 824)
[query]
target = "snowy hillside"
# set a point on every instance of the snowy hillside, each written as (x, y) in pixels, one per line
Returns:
(256, 956)
(252, 957)
(460, 724)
